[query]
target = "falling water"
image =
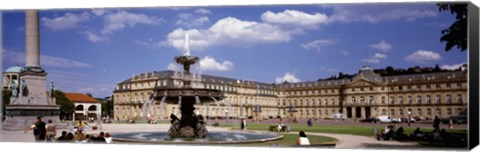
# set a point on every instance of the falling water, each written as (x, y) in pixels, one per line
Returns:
(216, 102)
(162, 105)
(197, 100)
(179, 102)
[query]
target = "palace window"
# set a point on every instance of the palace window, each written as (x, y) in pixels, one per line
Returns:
(400, 111)
(371, 88)
(449, 111)
(419, 112)
(459, 85)
(419, 99)
(383, 88)
(384, 112)
(410, 101)
(428, 86)
(449, 98)
(333, 102)
(400, 100)
(392, 101)
(429, 111)
(439, 112)
(371, 100)
(437, 99)
(449, 85)
(418, 87)
(459, 111)
(319, 112)
(362, 99)
(392, 112)
(353, 99)
(400, 88)
(429, 100)
(383, 99)
(361, 89)
(437, 86)
(409, 87)
(353, 89)
(459, 98)
(326, 102)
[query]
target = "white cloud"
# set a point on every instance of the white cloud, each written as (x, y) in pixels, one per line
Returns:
(95, 38)
(228, 31)
(295, 18)
(202, 11)
(122, 19)
(86, 90)
(375, 58)
(382, 45)
(345, 53)
(209, 63)
(317, 44)
(423, 56)
(379, 56)
(67, 21)
(186, 20)
(452, 67)
(288, 77)
(45, 60)
(99, 12)
(173, 67)
(375, 13)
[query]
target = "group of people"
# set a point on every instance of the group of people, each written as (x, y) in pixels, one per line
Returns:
(47, 133)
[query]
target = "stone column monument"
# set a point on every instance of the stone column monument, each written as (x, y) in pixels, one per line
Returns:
(32, 100)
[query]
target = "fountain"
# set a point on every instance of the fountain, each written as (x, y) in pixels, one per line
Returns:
(190, 126)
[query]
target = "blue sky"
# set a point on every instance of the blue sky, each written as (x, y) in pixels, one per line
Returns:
(90, 50)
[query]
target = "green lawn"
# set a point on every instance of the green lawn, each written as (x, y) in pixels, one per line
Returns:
(353, 130)
(455, 134)
(290, 140)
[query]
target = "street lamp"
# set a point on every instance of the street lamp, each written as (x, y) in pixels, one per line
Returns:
(409, 117)
(226, 116)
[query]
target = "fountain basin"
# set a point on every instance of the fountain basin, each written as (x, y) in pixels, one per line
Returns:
(189, 94)
(224, 137)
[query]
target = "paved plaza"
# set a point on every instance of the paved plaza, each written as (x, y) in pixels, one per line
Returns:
(345, 141)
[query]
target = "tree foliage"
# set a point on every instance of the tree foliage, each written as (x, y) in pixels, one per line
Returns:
(456, 34)
(66, 106)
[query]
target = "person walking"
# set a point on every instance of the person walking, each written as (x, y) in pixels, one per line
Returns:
(39, 129)
(309, 122)
(51, 131)
(436, 124)
(243, 124)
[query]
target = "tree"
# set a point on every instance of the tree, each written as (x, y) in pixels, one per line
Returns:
(89, 94)
(456, 34)
(66, 106)
(6, 101)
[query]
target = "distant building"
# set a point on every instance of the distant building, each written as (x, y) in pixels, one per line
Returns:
(86, 107)
(367, 94)
(10, 76)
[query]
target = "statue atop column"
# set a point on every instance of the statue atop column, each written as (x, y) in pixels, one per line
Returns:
(52, 89)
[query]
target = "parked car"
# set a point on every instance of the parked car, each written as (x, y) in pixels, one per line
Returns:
(455, 120)
(337, 116)
(370, 120)
(417, 118)
(405, 120)
(384, 119)
(396, 120)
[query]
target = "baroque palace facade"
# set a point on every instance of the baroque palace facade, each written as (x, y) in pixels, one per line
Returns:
(365, 95)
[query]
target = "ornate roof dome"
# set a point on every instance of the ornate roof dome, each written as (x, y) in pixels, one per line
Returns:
(15, 69)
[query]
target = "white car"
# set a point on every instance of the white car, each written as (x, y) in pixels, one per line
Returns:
(384, 119)
(396, 120)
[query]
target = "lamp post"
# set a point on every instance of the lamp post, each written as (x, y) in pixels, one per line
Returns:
(409, 117)
(226, 116)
